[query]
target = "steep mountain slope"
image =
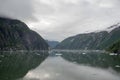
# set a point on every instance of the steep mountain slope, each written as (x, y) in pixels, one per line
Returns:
(113, 36)
(115, 47)
(94, 40)
(52, 44)
(15, 35)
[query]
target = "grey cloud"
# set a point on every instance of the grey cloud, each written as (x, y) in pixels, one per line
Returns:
(78, 16)
(18, 9)
(58, 19)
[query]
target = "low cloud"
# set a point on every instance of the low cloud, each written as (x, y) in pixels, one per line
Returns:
(17, 9)
(58, 19)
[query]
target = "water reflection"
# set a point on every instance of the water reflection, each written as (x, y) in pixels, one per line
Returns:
(14, 65)
(95, 59)
(59, 66)
(62, 66)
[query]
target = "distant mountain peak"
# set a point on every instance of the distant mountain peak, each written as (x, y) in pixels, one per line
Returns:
(53, 43)
(109, 29)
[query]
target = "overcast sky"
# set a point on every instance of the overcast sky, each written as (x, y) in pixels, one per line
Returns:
(58, 19)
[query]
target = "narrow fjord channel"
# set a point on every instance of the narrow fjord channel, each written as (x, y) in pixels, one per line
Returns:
(76, 65)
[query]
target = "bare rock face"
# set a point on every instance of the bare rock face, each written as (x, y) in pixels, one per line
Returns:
(15, 35)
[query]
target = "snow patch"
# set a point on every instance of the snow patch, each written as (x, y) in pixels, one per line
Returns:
(109, 29)
(83, 53)
(118, 66)
(112, 54)
(72, 40)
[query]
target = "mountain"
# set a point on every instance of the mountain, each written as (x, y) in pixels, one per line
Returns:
(94, 40)
(115, 47)
(52, 44)
(15, 35)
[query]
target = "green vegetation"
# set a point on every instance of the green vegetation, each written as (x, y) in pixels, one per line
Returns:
(115, 47)
(91, 41)
(15, 35)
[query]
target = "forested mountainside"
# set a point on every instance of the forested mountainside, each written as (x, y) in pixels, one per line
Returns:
(115, 47)
(15, 35)
(94, 40)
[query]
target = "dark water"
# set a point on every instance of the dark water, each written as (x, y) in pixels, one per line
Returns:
(15, 65)
(70, 65)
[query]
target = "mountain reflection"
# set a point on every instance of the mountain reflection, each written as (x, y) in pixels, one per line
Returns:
(94, 59)
(14, 65)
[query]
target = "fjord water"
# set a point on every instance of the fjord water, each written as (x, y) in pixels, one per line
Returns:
(15, 65)
(60, 65)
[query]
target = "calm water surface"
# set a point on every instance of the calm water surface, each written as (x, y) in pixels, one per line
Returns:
(70, 65)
